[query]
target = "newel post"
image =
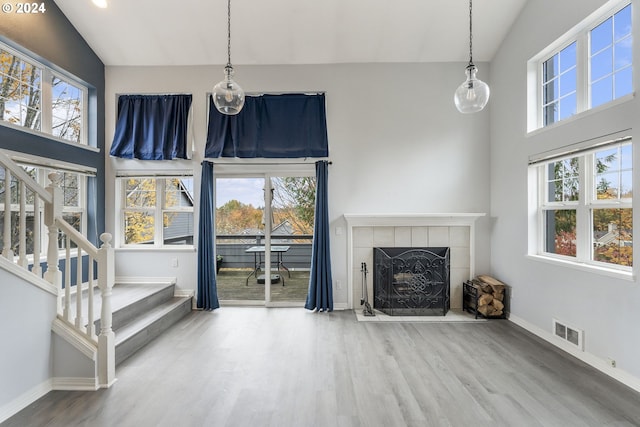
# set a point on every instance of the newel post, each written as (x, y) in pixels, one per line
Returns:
(107, 338)
(53, 210)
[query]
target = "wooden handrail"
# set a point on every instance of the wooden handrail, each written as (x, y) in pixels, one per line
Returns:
(21, 175)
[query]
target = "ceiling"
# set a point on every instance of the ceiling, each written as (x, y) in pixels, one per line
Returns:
(194, 32)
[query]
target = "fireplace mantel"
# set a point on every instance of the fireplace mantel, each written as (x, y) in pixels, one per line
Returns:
(412, 219)
(396, 220)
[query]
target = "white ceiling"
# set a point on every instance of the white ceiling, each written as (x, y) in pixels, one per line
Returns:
(194, 32)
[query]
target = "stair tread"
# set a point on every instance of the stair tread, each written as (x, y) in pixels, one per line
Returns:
(147, 318)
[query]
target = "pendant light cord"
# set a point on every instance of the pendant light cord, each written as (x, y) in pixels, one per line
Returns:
(228, 33)
(470, 33)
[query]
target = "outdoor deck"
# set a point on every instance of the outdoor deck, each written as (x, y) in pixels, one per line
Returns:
(232, 286)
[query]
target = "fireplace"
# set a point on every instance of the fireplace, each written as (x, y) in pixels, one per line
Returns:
(411, 281)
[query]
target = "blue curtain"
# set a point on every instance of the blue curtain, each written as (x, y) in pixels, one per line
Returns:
(207, 288)
(320, 294)
(270, 126)
(152, 127)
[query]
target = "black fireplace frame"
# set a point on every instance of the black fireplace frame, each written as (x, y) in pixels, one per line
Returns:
(411, 281)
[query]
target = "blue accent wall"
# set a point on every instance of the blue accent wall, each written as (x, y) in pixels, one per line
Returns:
(51, 39)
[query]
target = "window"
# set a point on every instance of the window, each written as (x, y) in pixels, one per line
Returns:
(585, 206)
(590, 66)
(73, 211)
(34, 97)
(157, 211)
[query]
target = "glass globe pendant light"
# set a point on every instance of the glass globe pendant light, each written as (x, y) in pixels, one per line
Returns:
(228, 96)
(472, 95)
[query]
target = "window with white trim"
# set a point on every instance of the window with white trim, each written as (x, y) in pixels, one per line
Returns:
(74, 209)
(35, 97)
(584, 206)
(590, 66)
(156, 211)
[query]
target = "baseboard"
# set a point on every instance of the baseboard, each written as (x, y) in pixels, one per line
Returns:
(76, 384)
(145, 280)
(588, 358)
(10, 409)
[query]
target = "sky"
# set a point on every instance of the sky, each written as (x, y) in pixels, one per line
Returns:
(245, 190)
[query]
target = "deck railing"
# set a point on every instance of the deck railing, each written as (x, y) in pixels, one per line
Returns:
(99, 269)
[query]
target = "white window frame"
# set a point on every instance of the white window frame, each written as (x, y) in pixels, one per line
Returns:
(43, 179)
(157, 211)
(46, 99)
(587, 201)
(579, 34)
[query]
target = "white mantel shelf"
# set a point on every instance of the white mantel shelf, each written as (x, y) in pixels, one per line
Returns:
(411, 219)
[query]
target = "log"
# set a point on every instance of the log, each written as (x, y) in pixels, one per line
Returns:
(498, 305)
(485, 299)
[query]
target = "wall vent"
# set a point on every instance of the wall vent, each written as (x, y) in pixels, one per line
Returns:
(568, 333)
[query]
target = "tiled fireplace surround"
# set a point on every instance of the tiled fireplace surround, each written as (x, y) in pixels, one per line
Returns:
(454, 230)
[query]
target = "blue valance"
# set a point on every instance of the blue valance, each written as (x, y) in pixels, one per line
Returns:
(270, 126)
(152, 127)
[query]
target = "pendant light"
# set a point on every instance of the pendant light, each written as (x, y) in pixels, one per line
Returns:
(472, 95)
(228, 96)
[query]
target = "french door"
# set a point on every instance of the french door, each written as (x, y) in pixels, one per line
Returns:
(264, 231)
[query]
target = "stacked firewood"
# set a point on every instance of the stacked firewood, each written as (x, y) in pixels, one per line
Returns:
(491, 294)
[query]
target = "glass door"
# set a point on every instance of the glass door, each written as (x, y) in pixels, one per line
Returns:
(264, 232)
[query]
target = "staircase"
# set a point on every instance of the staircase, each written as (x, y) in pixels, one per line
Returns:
(142, 311)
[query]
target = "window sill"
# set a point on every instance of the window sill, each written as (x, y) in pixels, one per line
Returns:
(603, 271)
(582, 114)
(186, 248)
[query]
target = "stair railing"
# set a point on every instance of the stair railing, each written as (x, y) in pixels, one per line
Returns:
(100, 267)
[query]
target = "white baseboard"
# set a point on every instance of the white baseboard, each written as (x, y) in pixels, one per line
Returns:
(145, 280)
(24, 400)
(588, 358)
(76, 384)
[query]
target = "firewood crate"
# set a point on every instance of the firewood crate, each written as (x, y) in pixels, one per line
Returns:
(471, 300)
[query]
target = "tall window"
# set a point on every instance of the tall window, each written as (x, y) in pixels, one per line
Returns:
(73, 211)
(585, 206)
(157, 211)
(34, 97)
(591, 66)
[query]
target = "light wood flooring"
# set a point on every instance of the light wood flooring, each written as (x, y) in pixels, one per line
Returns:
(240, 366)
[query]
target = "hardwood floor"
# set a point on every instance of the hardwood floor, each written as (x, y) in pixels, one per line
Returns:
(288, 367)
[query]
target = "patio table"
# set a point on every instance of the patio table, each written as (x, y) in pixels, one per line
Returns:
(257, 260)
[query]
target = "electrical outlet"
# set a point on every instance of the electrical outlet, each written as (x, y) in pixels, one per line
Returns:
(612, 362)
(174, 262)
(339, 284)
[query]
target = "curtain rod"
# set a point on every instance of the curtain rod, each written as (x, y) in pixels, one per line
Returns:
(265, 164)
(303, 92)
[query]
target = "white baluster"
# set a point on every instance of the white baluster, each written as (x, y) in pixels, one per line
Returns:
(22, 228)
(6, 244)
(91, 332)
(79, 320)
(106, 340)
(67, 281)
(37, 270)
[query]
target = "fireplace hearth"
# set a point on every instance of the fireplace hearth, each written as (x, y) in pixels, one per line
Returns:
(411, 281)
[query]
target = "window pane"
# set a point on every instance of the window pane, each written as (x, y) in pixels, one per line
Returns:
(568, 106)
(624, 82)
(562, 178)
(550, 113)
(560, 232)
(179, 192)
(551, 91)
(601, 64)
(607, 186)
(71, 189)
(613, 236)
(623, 54)
(568, 82)
(66, 110)
(550, 68)
(602, 36)
(622, 23)
(139, 228)
(601, 92)
(140, 193)
(178, 228)
(568, 57)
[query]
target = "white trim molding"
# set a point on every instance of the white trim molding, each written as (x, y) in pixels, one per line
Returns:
(407, 220)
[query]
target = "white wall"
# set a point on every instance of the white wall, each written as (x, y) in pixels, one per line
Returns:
(397, 143)
(26, 313)
(605, 308)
